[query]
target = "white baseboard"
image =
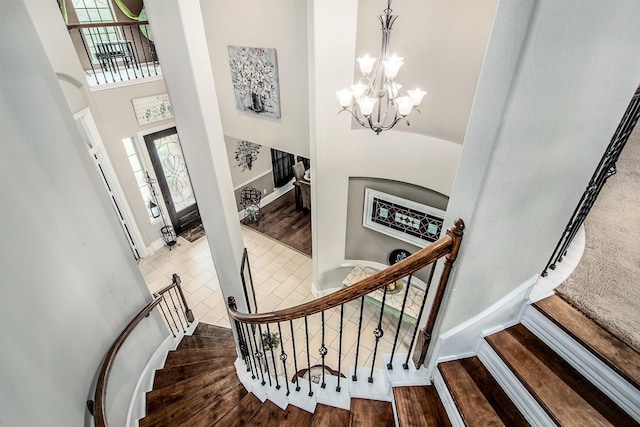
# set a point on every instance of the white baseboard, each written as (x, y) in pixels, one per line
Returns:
(516, 391)
(277, 192)
(592, 368)
(447, 400)
(317, 294)
(463, 340)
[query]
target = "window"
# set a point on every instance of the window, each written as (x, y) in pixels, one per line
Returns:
(96, 11)
(139, 172)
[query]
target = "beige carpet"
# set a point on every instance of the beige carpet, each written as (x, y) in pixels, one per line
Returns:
(606, 283)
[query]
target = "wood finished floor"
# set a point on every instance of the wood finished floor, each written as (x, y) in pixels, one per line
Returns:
(283, 222)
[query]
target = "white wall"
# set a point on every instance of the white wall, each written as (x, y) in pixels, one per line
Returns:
(337, 152)
(277, 24)
(556, 81)
(68, 281)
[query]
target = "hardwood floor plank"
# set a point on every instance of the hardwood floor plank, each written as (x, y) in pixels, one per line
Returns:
(281, 221)
(268, 415)
(217, 409)
(419, 406)
(295, 417)
(567, 396)
(171, 405)
(240, 414)
(167, 376)
(603, 344)
(207, 384)
(213, 331)
(479, 398)
(185, 357)
(328, 416)
(193, 342)
(367, 413)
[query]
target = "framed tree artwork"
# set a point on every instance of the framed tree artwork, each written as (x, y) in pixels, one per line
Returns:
(254, 74)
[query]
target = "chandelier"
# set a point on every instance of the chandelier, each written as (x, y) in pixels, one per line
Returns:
(375, 101)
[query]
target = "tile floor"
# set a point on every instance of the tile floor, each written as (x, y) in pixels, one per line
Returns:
(282, 279)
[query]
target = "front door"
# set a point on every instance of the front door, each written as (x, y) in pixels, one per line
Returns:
(173, 178)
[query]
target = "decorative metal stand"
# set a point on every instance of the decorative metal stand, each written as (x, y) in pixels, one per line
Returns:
(168, 233)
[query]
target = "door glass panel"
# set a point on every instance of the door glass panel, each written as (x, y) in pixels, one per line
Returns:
(175, 171)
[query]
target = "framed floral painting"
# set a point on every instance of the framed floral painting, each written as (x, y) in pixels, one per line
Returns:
(254, 74)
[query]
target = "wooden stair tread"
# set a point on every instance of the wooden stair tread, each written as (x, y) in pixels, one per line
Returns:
(268, 415)
(568, 397)
(196, 342)
(603, 344)
(185, 357)
(207, 330)
(239, 415)
(479, 398)
(214, 411)
(208, 384)
(367, 413)
(167, 376)
(187, 398)
(328, 416)
(419, 406)
(295, 417)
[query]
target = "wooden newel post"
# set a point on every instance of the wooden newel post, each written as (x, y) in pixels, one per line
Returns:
(424, 338)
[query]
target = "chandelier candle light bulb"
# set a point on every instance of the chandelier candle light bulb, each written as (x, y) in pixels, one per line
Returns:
(375, 100)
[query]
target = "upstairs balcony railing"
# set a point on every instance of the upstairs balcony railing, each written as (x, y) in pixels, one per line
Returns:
(332, 331)
(114, 52)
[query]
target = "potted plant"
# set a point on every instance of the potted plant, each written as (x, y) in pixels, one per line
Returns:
(271, 341)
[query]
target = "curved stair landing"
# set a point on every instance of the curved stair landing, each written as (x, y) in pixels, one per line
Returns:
(199, 387)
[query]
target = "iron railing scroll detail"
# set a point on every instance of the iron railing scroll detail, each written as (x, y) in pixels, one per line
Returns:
(606, 169)
(322, 325)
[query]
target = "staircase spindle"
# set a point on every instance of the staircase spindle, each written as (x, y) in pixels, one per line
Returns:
(258, 354)
(252, 357)
(395, 339)
(323, 352)
(283, 358)
(166, 319)
(175, 308)
(244, 349)
(354, 377)
(171, 315)
(273, 357)
(405, 365)
(340, 347)
(378, 333)
(306, 334)
(295, 358)
(266, 362)
(135, 53)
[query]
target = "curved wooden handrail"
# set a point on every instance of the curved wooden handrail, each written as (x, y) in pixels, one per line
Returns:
(409, 265)
(100, 396)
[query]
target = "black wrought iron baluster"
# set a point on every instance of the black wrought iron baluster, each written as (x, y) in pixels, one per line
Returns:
(166, 319)
(134, 53)
(88, 52)
(323, 352)
(266, 362)
(340, 347)
(273, 357)
(295, 358)
(405, 365)
(176, 309)
(378, 333)
(395, 339)
(242, 343)
(258, 353)
(283, 358)
(354, 377)
(171, 314)
(306, 334)
(252, 356)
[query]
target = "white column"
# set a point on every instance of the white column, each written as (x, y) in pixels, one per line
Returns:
(179, 35)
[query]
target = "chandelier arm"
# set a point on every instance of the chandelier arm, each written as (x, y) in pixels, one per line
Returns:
(358, 119)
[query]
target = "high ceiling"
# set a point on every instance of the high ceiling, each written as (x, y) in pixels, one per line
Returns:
(443, 45)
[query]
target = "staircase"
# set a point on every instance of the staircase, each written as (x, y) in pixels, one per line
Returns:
(557, 367)
(198, 386)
